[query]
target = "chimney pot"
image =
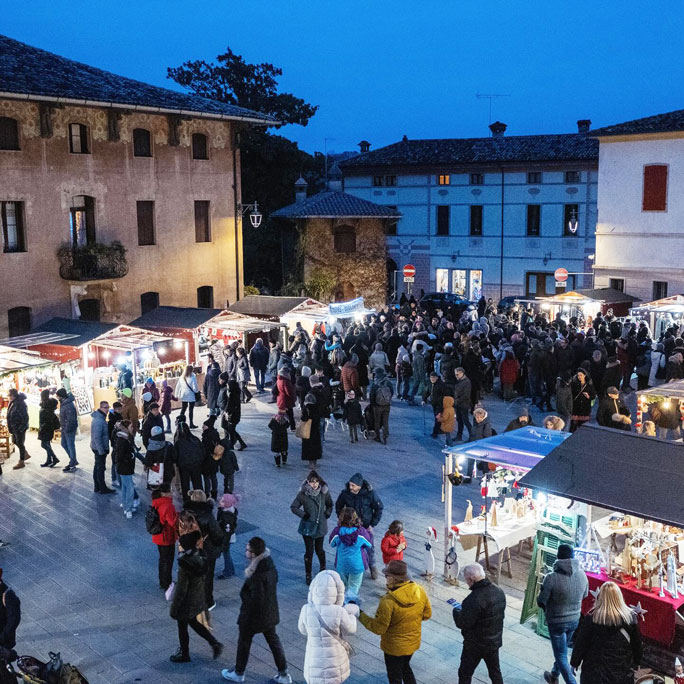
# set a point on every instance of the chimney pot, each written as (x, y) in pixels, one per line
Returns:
(583, 125)
(300, 190)
(498, 129)
(364, 146)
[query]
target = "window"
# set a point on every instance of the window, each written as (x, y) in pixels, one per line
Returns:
(149, 301)
(542, 284)
(443, 219)
(145, 210)
(534, 177)
(442, 280)
(533, 219)
(142, 143)
(659, 289)
(571, 220)
(391, 223)
(444, 179)
(199, 146)
(655, 188)
(205, 297)
(476, 179)
(390, 181)
(202, 221)
(90, 309)
(82, 220)
(345, 240)
(378, 181)
(78, 139)
(617, 284)
(13, 236)
(9, 133)
(572, 176)
(476, 219)
(19, 321)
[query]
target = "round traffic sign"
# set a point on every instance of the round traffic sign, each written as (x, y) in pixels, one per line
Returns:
(561, 274)
(409, 271)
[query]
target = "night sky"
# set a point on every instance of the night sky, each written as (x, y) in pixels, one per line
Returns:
(381, 69)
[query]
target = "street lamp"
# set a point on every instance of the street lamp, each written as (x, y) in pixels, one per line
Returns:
(255, 215)
(573, 223)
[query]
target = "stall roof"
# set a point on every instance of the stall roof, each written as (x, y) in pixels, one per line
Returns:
(618, 470)
(12, 360)
(521, 449)
(179, 317)
(127, 338)
(673, 304)
(263, 305)
(75, 332)
(608, 295)
(235, 322)
(316, 312)
(672, 390)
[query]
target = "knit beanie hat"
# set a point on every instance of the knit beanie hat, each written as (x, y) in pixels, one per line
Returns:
(126, 391)
(565, 551)
(156, 431)
(356, 479)
(228, 500)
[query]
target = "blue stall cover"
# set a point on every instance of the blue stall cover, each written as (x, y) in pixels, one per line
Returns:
(519, 449)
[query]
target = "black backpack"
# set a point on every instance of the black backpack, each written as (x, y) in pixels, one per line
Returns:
(152, 521)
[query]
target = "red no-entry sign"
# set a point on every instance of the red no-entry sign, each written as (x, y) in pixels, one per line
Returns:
(561, 274)
(409, 271)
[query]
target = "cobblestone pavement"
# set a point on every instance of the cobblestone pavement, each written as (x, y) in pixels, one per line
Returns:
(87, 580)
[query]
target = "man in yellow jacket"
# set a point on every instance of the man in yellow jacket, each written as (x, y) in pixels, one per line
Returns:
(398, 621)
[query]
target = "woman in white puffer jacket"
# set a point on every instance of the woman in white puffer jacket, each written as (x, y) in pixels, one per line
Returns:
(326, 660)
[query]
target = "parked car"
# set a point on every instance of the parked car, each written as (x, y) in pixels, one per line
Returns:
(438, 300)
(508, 303)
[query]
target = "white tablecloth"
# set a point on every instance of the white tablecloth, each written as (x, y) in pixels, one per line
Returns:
(508, 533)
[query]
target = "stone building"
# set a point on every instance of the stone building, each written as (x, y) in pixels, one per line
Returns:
(115, 196)
(342, 241)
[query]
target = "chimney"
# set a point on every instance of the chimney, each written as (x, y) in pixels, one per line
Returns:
(300, 190)
(335, 179)
(364, 146)
(583, 125)
(498, 129)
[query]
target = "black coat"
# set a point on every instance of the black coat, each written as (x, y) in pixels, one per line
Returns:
(312, 448)
(604, 653)
(211, 386)
(607, 409)
(189, 597)
(366, 503)
(210, 438)
(227, 520)
(10, 616)
(581, 405)
(462, 391)
(112, 420)
(124, 453)
(209, 528)
(17, 415)
(481, 617)
(278, 428)
(48, 421)
(189, 452)
(438, 390)
(228, 465)
(611, 377)
(259, 607)
(150, 421)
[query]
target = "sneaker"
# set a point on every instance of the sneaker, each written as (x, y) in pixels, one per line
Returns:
(55, 461)
(550, 679)
(107, 490)
(128, 515)
(282, 678)
(69, 469)
(217, 649)
(212, 606)
(116, 483)
(179, 657)
(136, 504)
(232, 676)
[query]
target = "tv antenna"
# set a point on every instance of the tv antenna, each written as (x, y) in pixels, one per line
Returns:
(490, 97)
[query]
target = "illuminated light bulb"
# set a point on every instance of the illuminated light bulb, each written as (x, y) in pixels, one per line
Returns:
(178, 344)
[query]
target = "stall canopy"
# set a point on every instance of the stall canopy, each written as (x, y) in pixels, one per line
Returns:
(175, 318)
(671, 390)
(230, 321)
(263, 306)
(310, 310)
(13, 360)
(129, 339)
(671, 305)
(621, 471)
(519, 449)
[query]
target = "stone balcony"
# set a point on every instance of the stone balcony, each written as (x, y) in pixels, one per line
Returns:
(96, 261)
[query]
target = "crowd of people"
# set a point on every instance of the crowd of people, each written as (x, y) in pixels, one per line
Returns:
(348, 377)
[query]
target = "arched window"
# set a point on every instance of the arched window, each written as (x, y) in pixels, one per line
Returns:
(9, 133)
(78, 139)
(149, 301)
(19, 321)
(142, 143)
(205, 297)
(345, 240)
(199, 146)
(82, 220)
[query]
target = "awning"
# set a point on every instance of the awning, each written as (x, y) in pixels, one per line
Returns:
(175, 318)
(668, 390)
(312, 312)
(37, 338)
(13, 360)
(519, 449)
(76, 332)
(618, 470)
(673, 304)
(263, 305)
(128, 339)
(228, 322)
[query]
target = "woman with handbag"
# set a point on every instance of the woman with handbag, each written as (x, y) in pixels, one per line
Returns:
(325, 621)
(188, 394)
(312, 446)
(583, 395)
(313, 505)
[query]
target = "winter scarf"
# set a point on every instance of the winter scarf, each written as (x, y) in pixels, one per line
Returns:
(251, 568)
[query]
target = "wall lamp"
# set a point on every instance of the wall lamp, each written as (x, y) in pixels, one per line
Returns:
(255, 216)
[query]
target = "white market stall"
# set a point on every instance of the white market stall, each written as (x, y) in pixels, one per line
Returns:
(315, 316)
(661, 314)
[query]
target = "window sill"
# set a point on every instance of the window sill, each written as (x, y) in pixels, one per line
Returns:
(14, 251)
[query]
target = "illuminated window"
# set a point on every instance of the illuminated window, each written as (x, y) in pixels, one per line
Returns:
(444, 179)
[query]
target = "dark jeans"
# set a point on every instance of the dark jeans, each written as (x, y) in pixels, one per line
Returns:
(190, 406)
(244, 392)
(228, 483)
(233, 434)
(99, 472)
(470, 659)
(51, 458)
(115, 474)
(209, 581)
(166, 556)
(210, 484)
(187, 475)
(259, 378)
(290, 417)
(463, 420)
(561, 638)
(311, 544)
(19, 438)
(245, 644)
(184, 637)
(381, 418)
(403, 385)
(399, 669)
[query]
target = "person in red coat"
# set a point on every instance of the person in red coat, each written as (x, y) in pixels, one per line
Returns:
(287, 395)
(393, 543)
(508, 375)
(166, 540)
(350, 376)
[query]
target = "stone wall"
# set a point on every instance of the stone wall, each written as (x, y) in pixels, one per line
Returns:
(45, 176)
(361, 274)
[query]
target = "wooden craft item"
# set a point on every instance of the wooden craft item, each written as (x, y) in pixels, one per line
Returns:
(469, 511)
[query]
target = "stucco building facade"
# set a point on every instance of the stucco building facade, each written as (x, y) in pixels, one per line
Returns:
(109, 160)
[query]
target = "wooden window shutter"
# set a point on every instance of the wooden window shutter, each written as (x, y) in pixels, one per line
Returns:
(655, 188)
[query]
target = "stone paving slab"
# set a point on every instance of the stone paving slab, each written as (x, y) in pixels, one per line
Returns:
(87, 576)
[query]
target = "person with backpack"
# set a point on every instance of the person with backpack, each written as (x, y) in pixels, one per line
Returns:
(161, 521)
(380, 400)
(159, 458)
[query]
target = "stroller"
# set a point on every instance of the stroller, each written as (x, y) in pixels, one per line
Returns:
(368, 423)
(55, 671)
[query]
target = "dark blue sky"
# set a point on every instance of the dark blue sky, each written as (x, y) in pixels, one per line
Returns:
(381, 69)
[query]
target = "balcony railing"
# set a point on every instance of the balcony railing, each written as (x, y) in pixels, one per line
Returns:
(93, 262)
